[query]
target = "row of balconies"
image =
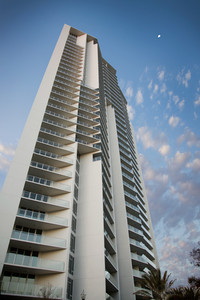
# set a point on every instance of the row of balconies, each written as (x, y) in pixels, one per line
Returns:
(74, 68)
(69, 59)
(65, 71)
(140, 248)
(64, 80)
(57, 148)
(70, 72)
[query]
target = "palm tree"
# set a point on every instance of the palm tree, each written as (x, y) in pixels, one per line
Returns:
(184, 293)
(157, 285)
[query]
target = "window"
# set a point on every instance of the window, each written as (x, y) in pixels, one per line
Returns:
(71, 265)
(73, 224)
(72, 243)
(69, 288)
(75, 207)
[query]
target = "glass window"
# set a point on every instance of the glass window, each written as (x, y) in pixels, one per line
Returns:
(72, 243)
(69, 288)
(73, 224)
(71, 264)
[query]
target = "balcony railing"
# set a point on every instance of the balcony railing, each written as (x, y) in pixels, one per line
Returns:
(34, 262)
(45, 199)
(49, 183)
(50, 168)
(38, 238)
(40, 216)
(29, 290)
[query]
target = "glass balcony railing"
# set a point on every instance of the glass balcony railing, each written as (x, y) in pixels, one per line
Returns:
(50, 168)
(133, 218)
(34, 262)
(133, 229)
(53, 155)
(40, 216)
(138, 258)
(38, 238)
(49, 183)
(29, 289)
(45, 199)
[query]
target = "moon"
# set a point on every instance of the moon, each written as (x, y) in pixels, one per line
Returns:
(159, 36)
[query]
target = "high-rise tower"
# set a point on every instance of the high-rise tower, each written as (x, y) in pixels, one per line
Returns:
(74, 215)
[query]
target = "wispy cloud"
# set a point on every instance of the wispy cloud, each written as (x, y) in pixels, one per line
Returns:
(161, 75)
(189, 137)
(129, 92)
(6, 154)
(197, 101)
(158, 142)
(131, 112)
(173, 121)
(164, 149)
(181, 104)
(183, 78)
(139, 97)
(150, 85)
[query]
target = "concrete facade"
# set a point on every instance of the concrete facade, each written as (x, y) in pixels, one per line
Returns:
(73, 204)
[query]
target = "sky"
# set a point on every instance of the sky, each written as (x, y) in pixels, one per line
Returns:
(154, 46)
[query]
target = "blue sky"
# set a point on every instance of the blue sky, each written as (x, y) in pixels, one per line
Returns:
(154, 46)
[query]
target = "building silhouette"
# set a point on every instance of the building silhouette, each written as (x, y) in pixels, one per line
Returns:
(74, 214)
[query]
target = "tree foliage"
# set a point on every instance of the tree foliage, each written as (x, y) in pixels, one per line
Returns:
(157, 284)
(195, 254)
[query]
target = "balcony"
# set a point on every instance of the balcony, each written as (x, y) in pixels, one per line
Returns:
(111, 283)
(147, 243)
(48, 171)
(59, 117)
(28, 290)
(61, 110)
(135, 233)
(57, 126)
(58, 149)
(39, 220)
(131, 198)
(86, 136)
(85, 147)
(133, 209)
(48, 187)
(138, 260)
(146, 232)
(71, 73)
(110, 262)
(134, 220)
(32, 264)
(138, 274)
(109, 243)
(108, 227)
(66, 81)
(35, 242)
(51, 158)
(42, 202)
(65, 71)
(86, 127)
(56, 136)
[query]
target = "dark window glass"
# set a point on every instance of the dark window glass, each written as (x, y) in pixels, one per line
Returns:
(69, 288)
(72, 243)
(71, 264)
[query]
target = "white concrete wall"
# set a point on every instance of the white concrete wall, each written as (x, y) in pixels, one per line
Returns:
(89, 273)
(14, 183)
(91, 75)
(123, 248)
